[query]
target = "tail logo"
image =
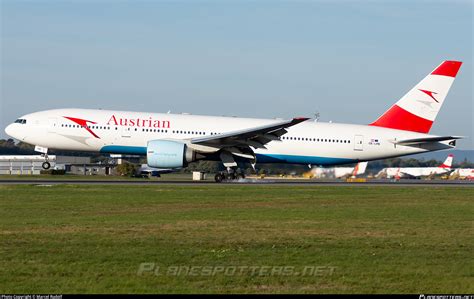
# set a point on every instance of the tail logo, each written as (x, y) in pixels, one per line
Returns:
(83, 123)
(430, 93)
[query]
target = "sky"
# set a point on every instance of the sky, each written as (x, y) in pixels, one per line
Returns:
(346, 60)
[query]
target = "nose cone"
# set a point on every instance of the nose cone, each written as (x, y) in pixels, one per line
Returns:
(10, 130)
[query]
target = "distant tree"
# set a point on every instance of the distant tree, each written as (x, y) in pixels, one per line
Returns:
(25, 148)
(8, 143)
(433, 163)
(394, 162)
(8, 147)
(465, 164)
(203, 166)
(126, 169)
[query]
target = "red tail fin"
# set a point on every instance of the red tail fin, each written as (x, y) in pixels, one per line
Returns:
(417, 110)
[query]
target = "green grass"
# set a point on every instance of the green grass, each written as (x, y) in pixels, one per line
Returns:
(92, 239)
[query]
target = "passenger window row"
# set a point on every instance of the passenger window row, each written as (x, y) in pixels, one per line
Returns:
(316, 139)
(136, 129)
(154, 130)
(196, 132)
(89, 127)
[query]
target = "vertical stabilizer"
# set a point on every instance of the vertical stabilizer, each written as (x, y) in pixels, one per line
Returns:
(417, 110)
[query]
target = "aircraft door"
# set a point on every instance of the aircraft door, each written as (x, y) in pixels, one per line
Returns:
(358, 143)
(126, 132)
(52, 124)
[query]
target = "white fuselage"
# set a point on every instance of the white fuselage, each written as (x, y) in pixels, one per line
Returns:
(464, 172)
(393, 172)
(125, 132)
(332, 172)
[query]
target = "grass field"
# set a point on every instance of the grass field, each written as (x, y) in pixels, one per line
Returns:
(95, 239)
(169, 177)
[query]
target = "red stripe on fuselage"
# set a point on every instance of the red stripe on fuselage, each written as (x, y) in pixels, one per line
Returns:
(448, 68)
(400, 119)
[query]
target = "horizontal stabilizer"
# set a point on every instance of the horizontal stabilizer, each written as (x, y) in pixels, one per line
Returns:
(426, 140)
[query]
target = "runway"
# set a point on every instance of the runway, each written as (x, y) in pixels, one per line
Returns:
(283, 182)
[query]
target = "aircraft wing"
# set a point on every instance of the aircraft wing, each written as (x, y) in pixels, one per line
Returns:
(256, 137)
(241, 143)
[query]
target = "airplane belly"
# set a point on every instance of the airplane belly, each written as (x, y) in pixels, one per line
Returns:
(300, 153)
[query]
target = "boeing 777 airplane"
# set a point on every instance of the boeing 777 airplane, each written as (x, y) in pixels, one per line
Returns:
(417, 172)
(337, 172)
(174, 140)
(464, 173)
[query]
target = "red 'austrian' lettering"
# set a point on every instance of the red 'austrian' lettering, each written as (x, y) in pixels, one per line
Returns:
(138, 122)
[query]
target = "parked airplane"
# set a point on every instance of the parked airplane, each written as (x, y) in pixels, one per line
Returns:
(338, 172)
(463, 173)
(417, 172)
(173, 140)
(148, 171)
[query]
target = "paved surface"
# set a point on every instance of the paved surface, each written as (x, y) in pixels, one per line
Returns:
(287, 182)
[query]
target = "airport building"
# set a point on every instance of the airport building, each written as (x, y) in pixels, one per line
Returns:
(24, 165)
(32, 165)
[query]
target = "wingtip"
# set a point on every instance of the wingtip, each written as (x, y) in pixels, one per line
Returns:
(301, 118)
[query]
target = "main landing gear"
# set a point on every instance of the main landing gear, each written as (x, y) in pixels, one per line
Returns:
(229, 175)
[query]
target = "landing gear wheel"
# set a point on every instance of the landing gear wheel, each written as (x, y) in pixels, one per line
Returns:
(46, 165)
(228, 176)
(219, 178)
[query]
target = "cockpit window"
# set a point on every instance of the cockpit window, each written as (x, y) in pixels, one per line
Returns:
(20, 121)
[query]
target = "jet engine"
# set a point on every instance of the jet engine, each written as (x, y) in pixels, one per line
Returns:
(169, 154)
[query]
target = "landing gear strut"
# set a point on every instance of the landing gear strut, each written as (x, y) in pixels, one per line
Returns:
(229, 175)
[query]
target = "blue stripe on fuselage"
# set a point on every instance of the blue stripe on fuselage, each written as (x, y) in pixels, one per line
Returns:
(261, 158)
(122, 149)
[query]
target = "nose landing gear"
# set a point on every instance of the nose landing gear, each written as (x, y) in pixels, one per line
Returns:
(44, 153)
(46, 165)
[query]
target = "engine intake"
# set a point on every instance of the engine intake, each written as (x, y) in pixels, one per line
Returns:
(169, 154)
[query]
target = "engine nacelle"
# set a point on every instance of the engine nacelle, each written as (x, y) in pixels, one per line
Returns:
(168, 154)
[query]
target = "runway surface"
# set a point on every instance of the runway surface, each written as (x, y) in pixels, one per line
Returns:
(288, 182)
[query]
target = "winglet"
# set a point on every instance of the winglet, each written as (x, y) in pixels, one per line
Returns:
(298, 120)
